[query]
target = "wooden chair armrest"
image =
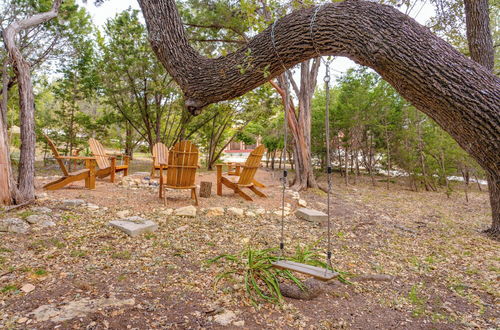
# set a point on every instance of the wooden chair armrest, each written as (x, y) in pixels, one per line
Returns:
(75, 157)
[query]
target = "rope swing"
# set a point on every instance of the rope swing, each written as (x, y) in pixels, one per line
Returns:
(320, 273)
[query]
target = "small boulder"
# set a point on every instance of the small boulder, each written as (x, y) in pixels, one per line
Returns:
(187, 211)
(122, 213)
(250, 214)
(92, 207)
(240, 323)
(42, 195)
(47, 223)
(225, 318)
(302, 203)
(14, 225)
(260, 211)
(73, 202)
(215, 211)
(236, 211)
(167, 212)
(35, 218)
(41, 209)
(27, 288)
(183, 228)
(134, 226)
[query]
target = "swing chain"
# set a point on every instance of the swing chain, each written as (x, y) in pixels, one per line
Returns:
(284, 180)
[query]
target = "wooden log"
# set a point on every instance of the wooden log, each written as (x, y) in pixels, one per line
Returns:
(205, 189)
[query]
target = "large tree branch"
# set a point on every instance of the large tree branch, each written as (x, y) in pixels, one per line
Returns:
(462, 96)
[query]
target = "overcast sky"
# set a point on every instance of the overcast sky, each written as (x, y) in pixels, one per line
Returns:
(422, 13)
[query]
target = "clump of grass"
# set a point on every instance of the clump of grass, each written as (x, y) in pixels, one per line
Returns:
(78, 253)
(24, 214)
(307, 255)
(123, 255)
(40, 272)
(8, 288)
(417, 300)
(255, 268)
(260, 279)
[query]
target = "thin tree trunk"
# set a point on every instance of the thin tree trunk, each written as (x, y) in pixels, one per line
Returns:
(26, 181)
(129, 149)
(479, 38)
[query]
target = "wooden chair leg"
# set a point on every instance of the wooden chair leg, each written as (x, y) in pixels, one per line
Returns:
(258, 184)
(242, 194)
(193, 196)
(113, 169)
(257, 192)
(219, 180)
(161, 182)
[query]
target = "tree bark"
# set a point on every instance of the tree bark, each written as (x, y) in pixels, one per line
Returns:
(26, 181)
(300, 131)
(481, 50)
(462, 96)
(6, 180)
(477, 20)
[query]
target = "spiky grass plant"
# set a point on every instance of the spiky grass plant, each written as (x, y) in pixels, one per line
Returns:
(261, 280)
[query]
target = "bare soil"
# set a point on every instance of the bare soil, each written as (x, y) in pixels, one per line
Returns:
(446, 272)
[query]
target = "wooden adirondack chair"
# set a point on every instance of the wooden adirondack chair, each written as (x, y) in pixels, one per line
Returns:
(87, 174)
(106, 163)
(246, 177)
(181, 169)
(234, 169)
(160, 156)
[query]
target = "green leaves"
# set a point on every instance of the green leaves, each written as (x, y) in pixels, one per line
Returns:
(261, 280)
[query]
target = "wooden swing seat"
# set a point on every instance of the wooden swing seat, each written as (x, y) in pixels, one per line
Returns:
(318, 273)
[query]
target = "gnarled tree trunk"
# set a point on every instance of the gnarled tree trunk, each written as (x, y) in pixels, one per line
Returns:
(462, 96)
(26, 178)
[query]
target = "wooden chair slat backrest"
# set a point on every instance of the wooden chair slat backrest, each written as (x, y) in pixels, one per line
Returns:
(182, 164)
(251, 165)
(56, 155)
(99, 153)
(160, 154)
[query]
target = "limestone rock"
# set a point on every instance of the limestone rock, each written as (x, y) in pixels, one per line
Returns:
(167, 212)
(215, 212)
(311, 215)
(183, 228)
(225, 318)
(134, 226)
(236, 211)
(260, 211)
(42, 195)
(302, 203)
(47, 223)
(35, 218)
(122, 213)
(27, 288)
(187, 211)
(240, 323)
(92, 207)
(14, 225)
(41, 209)
(77, 308)
(250, 214)
(73, 202)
